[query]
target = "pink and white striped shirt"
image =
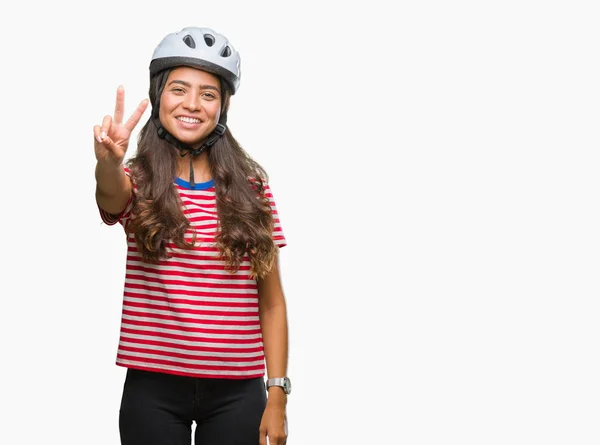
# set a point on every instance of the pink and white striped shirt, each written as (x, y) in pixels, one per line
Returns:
(188, 315)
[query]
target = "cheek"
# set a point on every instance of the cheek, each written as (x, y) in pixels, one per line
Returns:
(166, 100)
(162, 109)
(213, 110)
(163, 117)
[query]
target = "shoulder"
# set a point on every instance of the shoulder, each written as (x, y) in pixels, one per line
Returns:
(259, 183)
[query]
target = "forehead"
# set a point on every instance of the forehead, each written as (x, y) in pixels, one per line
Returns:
(193, 76)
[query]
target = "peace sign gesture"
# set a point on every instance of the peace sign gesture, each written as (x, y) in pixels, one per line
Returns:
(111, 139)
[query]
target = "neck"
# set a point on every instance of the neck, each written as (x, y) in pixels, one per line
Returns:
(200, 164)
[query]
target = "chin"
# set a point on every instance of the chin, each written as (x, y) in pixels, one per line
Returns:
(189, 139)
(193, 142)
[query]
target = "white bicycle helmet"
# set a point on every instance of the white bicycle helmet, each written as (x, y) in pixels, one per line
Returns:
(200, 48)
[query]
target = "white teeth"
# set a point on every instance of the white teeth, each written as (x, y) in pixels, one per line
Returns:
(189, 120)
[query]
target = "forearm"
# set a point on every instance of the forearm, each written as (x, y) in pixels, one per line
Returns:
(275, 339)
(274, 327)
(113, 188)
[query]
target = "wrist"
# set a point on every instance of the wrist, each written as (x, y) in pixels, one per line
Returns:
(109, 165)
(281, 382)
(277, 395)
(278, 390)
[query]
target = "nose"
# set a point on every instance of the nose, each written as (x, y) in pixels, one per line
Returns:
(191, 102)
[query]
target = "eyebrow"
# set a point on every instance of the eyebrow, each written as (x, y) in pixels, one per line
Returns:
(189, 85)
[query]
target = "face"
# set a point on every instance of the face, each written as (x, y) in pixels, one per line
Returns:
(190, 105)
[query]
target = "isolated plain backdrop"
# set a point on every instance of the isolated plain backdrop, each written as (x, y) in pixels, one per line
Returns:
(435, 165)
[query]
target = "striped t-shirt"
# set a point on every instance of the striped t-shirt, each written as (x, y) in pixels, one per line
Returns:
(187, 315)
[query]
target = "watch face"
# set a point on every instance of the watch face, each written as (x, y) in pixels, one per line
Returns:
(288, 385)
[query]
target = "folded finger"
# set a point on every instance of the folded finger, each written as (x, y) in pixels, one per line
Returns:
(106, 124)
(97, 130)
(277, 440)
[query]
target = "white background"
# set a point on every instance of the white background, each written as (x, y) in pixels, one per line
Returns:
(435, 168)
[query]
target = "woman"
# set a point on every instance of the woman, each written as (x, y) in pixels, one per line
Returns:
(203, 306)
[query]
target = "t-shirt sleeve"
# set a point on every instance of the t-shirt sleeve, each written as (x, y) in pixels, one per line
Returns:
(278, 236)
(122, 218)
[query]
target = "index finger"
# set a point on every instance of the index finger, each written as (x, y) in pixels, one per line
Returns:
(137, 115)
(120, 105)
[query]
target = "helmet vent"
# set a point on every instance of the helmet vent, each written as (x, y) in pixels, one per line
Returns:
(210, 40)
(226, 52)
(189, 41)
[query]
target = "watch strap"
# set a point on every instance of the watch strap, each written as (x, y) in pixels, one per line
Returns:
(283, 382)
(276, 381)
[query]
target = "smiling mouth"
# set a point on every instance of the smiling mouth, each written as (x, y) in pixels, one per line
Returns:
(189, 120)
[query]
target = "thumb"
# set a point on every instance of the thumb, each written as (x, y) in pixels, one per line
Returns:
(114, 149)
(262, 437)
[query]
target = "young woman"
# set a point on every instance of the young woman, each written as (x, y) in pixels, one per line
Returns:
(203, 306)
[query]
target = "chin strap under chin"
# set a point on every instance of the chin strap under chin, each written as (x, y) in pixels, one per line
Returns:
(184, 148)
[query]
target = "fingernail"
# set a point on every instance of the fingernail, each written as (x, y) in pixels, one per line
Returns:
(103, 135)
(98, 138)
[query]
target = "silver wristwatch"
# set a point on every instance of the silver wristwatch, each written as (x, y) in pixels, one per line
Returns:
(284, 382)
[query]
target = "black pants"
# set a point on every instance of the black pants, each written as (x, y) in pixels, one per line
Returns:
(158, 409)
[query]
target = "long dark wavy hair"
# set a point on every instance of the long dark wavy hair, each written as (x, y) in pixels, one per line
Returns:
(245, 222)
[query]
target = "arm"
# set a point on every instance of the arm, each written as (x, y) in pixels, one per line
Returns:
(273, 321)
(111, 139)
(113, 188)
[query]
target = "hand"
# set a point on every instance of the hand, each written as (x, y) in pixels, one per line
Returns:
(111, 139)
(273, 424)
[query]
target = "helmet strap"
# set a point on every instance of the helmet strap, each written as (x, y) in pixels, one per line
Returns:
(184, 148)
